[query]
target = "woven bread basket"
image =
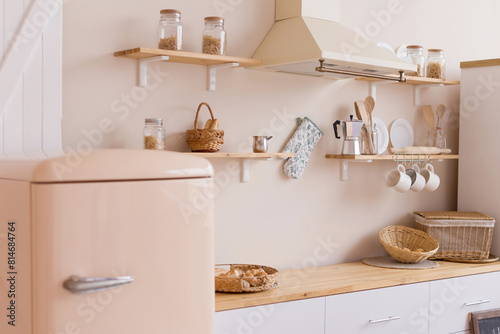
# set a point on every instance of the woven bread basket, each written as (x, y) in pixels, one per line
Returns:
(244, 284)
(401, 242)
(204, 140)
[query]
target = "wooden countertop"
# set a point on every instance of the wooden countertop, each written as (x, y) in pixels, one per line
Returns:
(347, 277)
(480, 63)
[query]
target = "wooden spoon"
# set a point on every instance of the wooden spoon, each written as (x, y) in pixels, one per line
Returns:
(370, 105)
(440, 111)
(429, 116)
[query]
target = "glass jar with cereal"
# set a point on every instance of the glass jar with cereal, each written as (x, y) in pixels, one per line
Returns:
(214, 36)
(170, 30)
(436, 65)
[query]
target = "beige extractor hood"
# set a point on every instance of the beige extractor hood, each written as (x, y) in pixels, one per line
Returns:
(307, 39)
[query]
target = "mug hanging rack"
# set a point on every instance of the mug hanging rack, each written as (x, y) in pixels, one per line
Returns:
(410, 159)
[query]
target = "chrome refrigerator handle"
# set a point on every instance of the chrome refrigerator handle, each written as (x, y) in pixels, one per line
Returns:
(81, 285)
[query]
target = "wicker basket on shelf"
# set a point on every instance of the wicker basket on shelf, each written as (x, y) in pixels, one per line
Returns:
(238, 278)
(407, 245)
(205, 140)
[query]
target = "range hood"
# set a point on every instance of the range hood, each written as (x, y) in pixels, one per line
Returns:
(307, 39)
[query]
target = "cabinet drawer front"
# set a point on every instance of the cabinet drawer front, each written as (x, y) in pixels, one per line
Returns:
(395, 310)
(298, 317)
(452, 299)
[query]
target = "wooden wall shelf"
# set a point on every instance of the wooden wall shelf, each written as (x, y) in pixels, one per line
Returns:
(417, 82)
(346, 159)
(387, 157)
(245, 159)
(144, 56)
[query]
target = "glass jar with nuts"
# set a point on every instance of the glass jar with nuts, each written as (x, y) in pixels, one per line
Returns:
(214, 36)
(170, 30)
(154, 135)
(415, 55)
(436, 65)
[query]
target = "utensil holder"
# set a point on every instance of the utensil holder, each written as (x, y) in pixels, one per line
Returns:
(369, 140)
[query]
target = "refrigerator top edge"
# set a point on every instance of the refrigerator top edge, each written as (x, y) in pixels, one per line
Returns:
(108, 165)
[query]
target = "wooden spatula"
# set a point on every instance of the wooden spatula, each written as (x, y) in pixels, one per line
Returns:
(429, 117)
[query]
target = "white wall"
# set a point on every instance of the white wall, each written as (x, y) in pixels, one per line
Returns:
(271, 220)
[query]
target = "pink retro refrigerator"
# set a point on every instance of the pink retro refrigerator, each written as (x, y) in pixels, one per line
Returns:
(116, 241)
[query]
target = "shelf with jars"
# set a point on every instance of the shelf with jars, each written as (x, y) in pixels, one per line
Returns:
(145, 56)
(417, 82)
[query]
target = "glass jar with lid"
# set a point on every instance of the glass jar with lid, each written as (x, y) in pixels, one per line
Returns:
(436, 64)
(170, 30)
(154, 135)
(415, 55)
(214, 36)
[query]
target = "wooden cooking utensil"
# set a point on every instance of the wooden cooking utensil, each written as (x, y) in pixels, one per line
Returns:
(429, 116)
(440, 112)
(358, 115)
(363, 113)
(370, 105)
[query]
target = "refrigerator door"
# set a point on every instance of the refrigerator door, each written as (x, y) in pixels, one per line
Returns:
(154, 236)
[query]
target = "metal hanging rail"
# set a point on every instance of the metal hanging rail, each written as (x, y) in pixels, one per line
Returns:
(323, 69)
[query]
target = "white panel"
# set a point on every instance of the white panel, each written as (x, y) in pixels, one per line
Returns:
(401, 310)
(13, 124)
(451, 300)
(2, 18)
(31, 125)
(32, 112)
(298, 317)
(12, 118)
(479, 122)
(52, 87)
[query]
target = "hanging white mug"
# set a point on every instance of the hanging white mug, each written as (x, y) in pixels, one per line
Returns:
(419, 182)
(398, 180)
(432, 181)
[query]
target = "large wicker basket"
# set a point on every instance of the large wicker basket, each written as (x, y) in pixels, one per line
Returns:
(240, 284)
(461, 235)
(204, 140)
(401, 242)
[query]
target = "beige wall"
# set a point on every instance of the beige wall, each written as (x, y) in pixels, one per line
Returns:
(271, 220)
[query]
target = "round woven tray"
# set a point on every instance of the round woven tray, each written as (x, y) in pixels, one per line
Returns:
(491, 258)
(242, 284)
(389, 262)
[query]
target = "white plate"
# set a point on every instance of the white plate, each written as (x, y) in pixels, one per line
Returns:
(387, 47)
(402, 52)
(401, 133)
(383, 135)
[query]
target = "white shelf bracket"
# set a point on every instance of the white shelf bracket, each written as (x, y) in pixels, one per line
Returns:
(245, 170)
(416, 92)
(212, 73)
(142, 68)
(372, 87)
(344, 167)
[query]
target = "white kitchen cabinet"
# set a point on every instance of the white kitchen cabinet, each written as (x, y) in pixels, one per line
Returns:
(452, 299)
(297, 317)
(400, 309)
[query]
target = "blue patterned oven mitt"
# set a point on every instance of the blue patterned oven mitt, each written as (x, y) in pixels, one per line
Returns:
(302, 142)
